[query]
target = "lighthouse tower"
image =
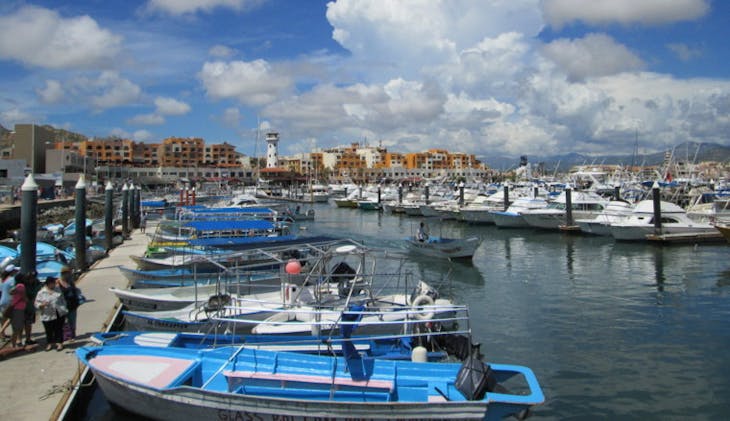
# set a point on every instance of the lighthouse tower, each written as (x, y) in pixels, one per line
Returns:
(272, 154)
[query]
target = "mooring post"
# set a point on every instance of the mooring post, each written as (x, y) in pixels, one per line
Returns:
(28, 225)
(506, 197)
(138, 206)
(426, 193)
(108, 216)
(461, 194)
(617, 192)
(568, 205)
(656, 200)
(125, 211)
(400, 193)
(80, 235)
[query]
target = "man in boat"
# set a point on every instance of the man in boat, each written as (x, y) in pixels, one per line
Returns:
(422, 234)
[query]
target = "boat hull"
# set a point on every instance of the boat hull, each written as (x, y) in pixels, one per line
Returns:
(184, 403)
(509, 220)
(445, 248)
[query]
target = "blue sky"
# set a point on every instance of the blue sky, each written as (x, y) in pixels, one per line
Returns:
(489, 77)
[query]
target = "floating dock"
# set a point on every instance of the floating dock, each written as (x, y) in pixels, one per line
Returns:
(710, 237)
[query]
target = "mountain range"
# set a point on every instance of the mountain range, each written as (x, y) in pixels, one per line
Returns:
(685, 152)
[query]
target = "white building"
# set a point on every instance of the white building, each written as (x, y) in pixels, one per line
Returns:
(272, 153)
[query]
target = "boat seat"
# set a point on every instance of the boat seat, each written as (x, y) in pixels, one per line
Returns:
(306, 378)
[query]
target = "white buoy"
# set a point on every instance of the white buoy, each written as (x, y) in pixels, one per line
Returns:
(419, 355)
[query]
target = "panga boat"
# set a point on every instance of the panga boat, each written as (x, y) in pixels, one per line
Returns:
(393, 347)
(243, 383)
(442, 247)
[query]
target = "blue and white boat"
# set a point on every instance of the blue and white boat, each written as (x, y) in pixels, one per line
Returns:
(392, 347)
(249, 383)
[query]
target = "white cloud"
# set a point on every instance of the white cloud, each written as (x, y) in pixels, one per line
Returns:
(592, 55)
(231, 117)
(601, 12)
(41, 37)
(111, 90)
(52, 93)
(683, 51)
(251, 83)
(147, 119)
(405, 38)
(171, 106)
(221, 51)
(13, 116)
(142, 136)
(184, 7)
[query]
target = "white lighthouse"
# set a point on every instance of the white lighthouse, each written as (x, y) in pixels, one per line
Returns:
(272, 154)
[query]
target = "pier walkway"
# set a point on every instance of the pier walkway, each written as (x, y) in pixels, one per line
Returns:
(35, 385)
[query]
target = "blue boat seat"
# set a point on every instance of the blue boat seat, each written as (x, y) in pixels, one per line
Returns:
(285, 378)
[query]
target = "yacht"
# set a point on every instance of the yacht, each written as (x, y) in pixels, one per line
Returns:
(616, 211)
(640, 223)
(584, 205)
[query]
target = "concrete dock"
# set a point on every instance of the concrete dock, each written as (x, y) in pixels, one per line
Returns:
(36, 385)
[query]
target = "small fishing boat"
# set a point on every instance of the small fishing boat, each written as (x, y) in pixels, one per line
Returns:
(172, 298)
(444, 247)
(249, 383)
(392, 347)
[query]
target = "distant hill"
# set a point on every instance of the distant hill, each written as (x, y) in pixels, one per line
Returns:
(685, 152)
(66, 135)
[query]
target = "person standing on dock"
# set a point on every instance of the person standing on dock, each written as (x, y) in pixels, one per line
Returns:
(423, 232)
(53, 312)
(18, 302)
(72, 296)
(8, 282)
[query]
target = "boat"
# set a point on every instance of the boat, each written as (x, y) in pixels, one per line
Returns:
(392, 348)
(584, 205)
(369, 204)
(318, 193)
(444, 247)
(249, 383)
(674, 221)
(615, 211)
(724, 229)
(198, 318)
(512, 217)
(166, 297)
(368, 315)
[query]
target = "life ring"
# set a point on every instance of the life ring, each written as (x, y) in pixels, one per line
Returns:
(418, 303)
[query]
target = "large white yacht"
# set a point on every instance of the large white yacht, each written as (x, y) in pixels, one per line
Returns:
(640, 223)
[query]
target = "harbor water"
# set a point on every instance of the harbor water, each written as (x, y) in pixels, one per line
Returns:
(612, 330)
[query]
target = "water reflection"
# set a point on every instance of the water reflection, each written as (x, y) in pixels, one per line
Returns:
(659, 268)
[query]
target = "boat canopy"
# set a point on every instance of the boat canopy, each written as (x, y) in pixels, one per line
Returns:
(230, 225)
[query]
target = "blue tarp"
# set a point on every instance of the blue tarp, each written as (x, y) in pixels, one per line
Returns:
(234, 242)
(255, 224)
(231, 210)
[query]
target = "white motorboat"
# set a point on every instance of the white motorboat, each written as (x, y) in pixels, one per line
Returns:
(512, 217)
(616, 211)
(584, 205)
(640, 224)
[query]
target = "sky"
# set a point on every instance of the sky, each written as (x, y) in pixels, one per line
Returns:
(485, 77)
